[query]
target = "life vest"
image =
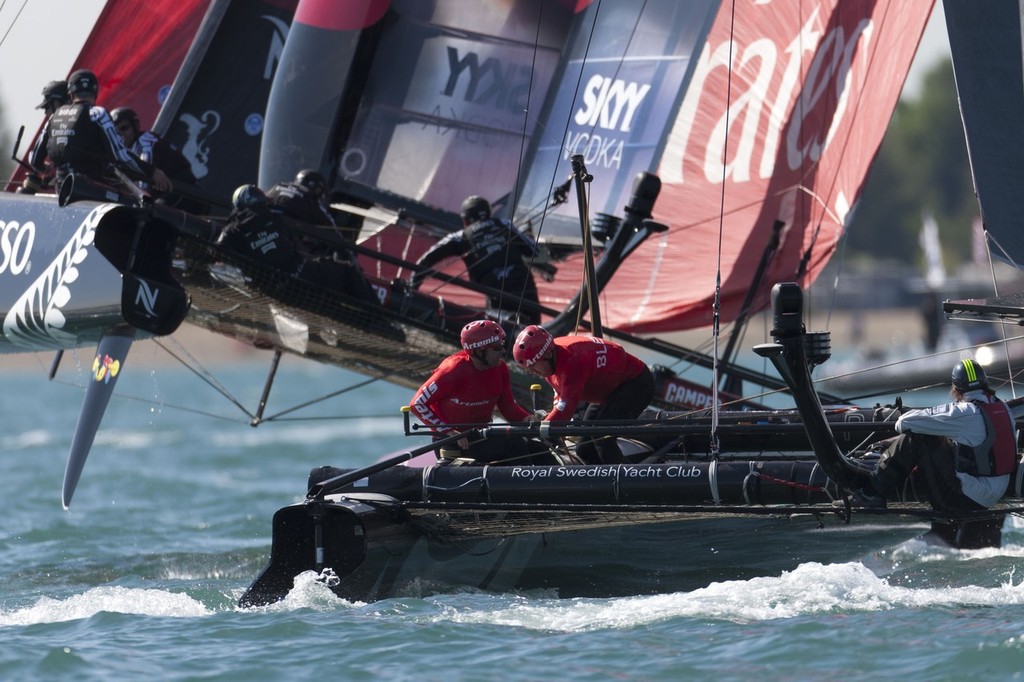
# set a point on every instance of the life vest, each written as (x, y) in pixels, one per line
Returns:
(997, 455)
(76, 143)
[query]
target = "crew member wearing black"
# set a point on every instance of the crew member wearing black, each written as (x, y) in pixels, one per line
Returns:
(304, 199)
(496, 255)
(150, 147)
(80, 137)
(55, 95)
(258, 232)
(155, 150)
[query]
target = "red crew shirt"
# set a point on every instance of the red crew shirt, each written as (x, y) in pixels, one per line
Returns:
(459, 393)
(588, 369)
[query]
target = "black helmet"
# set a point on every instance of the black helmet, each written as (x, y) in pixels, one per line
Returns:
(83, 82)
(475, 208)
(968, 376)
(248, 196)
(311, 179)
(125, 114)
(55, 93)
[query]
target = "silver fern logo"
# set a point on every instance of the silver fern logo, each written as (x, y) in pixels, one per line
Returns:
(37, 317)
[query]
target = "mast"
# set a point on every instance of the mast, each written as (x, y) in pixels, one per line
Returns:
(731, 382)
(580, 178)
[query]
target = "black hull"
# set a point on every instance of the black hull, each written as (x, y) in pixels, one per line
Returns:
(593, 531)
(377, 550)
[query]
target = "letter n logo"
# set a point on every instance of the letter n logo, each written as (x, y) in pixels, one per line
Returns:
(146, 297)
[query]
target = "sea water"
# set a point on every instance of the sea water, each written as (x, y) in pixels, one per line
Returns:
(171, 522)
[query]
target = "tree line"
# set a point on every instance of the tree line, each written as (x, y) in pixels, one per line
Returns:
(921, 167)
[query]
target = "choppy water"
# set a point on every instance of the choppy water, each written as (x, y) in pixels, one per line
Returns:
(171, 522)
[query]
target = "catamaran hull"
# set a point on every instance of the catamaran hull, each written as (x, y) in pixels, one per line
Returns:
(374, 550)
(602, 530)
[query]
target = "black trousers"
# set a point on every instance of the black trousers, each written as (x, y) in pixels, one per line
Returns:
(626, 402)
(935, 460)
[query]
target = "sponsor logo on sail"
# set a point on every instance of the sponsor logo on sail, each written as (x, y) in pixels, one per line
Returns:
(505, 85)
(196, 149)
(607, 114)
(780, 106)
(610, 104)
(200, 128)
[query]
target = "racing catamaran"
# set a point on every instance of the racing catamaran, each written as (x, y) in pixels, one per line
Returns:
(713, 149)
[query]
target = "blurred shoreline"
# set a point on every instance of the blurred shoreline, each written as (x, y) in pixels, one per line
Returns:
(851, 330)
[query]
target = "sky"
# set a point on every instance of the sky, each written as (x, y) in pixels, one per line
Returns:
(39, 40)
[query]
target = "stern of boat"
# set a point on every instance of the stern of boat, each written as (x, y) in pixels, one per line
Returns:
(331, 537)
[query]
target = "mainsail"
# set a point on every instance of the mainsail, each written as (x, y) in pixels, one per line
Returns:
(780, 116)
(215, 114)
(751, 113)
(985, 44)
(136, 49)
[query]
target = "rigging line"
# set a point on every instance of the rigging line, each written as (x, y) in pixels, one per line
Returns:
(205, 376)
(589, 188)
(209, 379)
(1006, 256)
(564, 135)
(716, 306)
(325, 397)
(522, 154)
(873, 56)
(896, 363)
(561, 139)
(130, 397)
(13, 21)
(1002, 329)
(565, 128)
(833, 301)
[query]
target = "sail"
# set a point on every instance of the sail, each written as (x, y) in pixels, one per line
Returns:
(216, 110)
(793, 97)
(136, 48)
(429, 101)
(321, 60)
(985, 44)
(751, 113)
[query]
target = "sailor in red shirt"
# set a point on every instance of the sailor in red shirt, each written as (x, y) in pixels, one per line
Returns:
(465, 389)
(584, 368)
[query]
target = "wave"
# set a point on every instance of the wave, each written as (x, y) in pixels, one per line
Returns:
(144, 602)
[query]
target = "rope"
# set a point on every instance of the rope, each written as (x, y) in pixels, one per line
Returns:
(716, 306)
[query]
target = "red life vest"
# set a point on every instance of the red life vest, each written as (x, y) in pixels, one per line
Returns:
(997, 455)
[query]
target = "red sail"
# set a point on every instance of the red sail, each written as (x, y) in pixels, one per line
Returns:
(810, 88)
(136, 48)
(751, 113)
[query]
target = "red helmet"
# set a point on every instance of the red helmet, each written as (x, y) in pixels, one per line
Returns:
(531, 343)
(481, 333)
